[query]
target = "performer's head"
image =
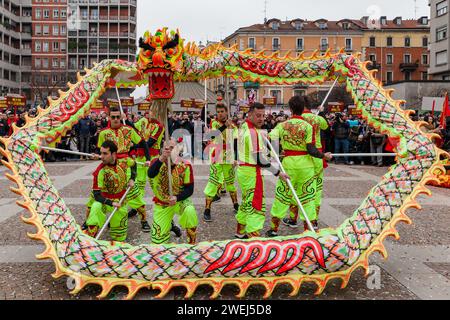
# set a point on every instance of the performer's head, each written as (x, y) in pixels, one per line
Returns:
(108, 153)
(298, 104)
(256, 114)
(222, 112)
(115, 116)
(148, 115)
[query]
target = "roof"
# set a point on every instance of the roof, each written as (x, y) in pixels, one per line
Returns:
(192, 90)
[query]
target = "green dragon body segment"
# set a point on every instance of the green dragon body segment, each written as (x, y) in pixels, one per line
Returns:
(293, 260)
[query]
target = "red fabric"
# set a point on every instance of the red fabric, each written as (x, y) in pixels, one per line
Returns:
(325, 163)
(257, 202)
(122, 156)
(445, 112)
(293, 153)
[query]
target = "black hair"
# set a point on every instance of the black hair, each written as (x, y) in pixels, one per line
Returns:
(221, 106)
(298, 104)
(257, 106)
(114, 109)
(110, 145)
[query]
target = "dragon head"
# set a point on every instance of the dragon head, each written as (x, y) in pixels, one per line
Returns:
(160, 56)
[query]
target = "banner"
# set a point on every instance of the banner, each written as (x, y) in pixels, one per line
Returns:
(336, 107)
(127, 102)
(353, 111)
(113, 103)
(144, 106)
(195, 104)
(98, 105)
(16, 102)
(272, 101)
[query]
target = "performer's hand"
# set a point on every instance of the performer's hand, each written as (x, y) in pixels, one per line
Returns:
(116, 205)
(235, 164)
(284, 176)
(148, 164)
(328, 156)
(131, 184)
(95, 156)
(172, 201)
(229, 123)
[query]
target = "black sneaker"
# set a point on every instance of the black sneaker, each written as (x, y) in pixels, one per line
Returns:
(84, 227)
(290, 223)
(176, 230)
(216, 199)
(271, 234)
(236, 207)
(145, 227)
(241, 236)
(207, 216)
(132, 213)
(223, 192)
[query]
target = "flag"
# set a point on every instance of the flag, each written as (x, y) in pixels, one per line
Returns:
(434, 108)
(445, 112)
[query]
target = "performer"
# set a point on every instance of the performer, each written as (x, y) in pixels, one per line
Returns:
(222, 168)
(252, 158)
(111, 180)
(297, 142)
(318, 123)
(124, 137)
(180, 203)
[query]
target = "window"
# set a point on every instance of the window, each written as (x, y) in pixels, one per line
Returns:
(425, 59)
(389, 77)
(46, 13)
(37, 13)
(55, 30)
(407, 58)
(441, 8)
(390, 59)
(251, 43)
(45, 63)
(389, 41)
(55, 46)
(348, 45)
(441, 33)
(372, 41)
(425, 42)
(299, 92)
(37, 46)
(300, 46)
(62, 63)
(38, 30)
(276, 43)
(424, 76)
(275, 25)
(63, 13)
(298, 25)
(323, 25)
(37, 63)
(63, 30)
(55, 13)
(276, 94)
(346, 26)
(324, 44)
(407, 42)
(372, 57)
(55, 63)
(63, 47)
(55, 78)
(45, 30)
(441, 57)
(407, 75)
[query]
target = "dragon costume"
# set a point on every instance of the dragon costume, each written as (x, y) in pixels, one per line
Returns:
(293, 260)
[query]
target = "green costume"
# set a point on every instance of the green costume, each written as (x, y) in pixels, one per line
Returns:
(152, 131)
(294, 136)
(124, 137)
(221, 172)
(183, 188)
(318, 123)
(251, 214)
(110, 184)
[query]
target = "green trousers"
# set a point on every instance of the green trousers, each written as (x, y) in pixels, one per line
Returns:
(302, 174)
(250, 221)
(119, 222)
(163, 216)
(220, 174)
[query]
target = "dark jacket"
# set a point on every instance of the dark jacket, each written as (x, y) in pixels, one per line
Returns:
(341, 130)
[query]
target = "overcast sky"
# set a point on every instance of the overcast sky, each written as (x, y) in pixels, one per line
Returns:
(199, 20)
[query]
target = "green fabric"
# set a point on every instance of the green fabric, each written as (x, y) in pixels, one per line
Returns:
(163, 216)
(113, 179)
(318, 175)
(119, 222)
(218, 175)
(124, 138)
(247, 145)
(225, 138)
(252, 219)
(318, 123)
(151, 129)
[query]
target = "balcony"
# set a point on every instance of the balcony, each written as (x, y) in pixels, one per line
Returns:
(409, 66)
(374, 65)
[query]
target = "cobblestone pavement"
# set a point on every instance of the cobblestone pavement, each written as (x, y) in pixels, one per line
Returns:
(418, 266)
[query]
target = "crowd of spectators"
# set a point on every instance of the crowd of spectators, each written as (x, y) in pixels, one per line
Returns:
(346, 134)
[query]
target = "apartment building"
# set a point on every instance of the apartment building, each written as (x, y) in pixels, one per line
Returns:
(439, 41)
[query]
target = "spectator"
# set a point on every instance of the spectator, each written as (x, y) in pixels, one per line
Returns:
(21, 122)
(341, 130)
(377, 142)
(4, 126)
(83, 131)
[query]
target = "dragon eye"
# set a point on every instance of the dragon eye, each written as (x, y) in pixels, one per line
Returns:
(170, 52)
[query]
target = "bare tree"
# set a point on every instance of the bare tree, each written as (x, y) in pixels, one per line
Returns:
(43, 85)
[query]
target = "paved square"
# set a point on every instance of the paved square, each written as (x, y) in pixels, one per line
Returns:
(418, 266)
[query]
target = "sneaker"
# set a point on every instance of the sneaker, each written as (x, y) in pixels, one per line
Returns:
(290, 223)
(271, 234)
(176, 230)
(84, 226)
(241, 236)
(207, 216)
(315, 225)
(132, 213)
(223, 192)
(145, 227)
(352, 163)
(236, 207)
(216, 199)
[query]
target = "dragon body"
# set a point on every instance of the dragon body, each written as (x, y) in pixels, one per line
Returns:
(309, 257)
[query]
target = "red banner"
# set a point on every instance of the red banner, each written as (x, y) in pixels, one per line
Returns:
(127, 102)
(144, 106)
(336, 107)
(353, 111)
(3, 103)
(270, 101)
(16, 102)
(194, 104)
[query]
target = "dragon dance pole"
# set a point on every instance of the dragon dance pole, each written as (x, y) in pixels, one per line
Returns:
(364, 155)
(310, 226)
(112, 214)
(76, 153)
(328, 95)
(120, 105)
(206, 105)
(169, 161)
